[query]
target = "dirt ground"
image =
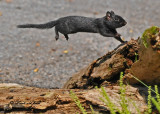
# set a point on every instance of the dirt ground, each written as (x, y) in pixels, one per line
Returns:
(33, 57)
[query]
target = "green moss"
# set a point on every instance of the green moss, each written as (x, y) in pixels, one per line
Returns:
(148, 33)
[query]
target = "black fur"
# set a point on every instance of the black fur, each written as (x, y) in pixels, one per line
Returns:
(106, 25)
(39, 26)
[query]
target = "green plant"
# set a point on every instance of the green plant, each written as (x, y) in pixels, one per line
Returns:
(136, 57)
(147, 33)
(107, 101)
(143, 83)
(92, 111)
(77, 101)
(138, 110)
(157, 94)
(149, 100)
(123, 102)
(156, 104)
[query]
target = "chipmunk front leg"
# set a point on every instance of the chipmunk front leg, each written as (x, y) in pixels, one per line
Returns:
(112, 33)
(118, 37)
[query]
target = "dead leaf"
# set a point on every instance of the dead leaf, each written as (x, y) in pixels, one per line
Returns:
(0, 13)
(36, 70)
(130, 31)
(8, 1)
(37, 44)
(65, 51)
(95, 13)
(123, 38)
(53, 49)
(70, 0)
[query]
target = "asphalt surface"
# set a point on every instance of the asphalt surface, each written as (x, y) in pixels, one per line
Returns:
(33, 57)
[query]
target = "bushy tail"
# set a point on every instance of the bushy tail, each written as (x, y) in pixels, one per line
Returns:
(39, 26)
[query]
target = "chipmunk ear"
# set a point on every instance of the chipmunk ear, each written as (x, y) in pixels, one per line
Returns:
(112, 12)
(108, 15)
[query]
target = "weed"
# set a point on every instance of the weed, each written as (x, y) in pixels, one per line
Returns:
(136, 57)
(77, 101)
(157, 94)
(149, 100)
(107, 101)
(92, 111)
(123, 102)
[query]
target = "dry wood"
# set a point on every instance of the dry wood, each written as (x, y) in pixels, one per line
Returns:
(106, 68)
(147, 68)
(20, 99)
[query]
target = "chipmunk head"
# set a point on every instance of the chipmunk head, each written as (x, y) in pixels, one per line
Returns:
(114, 21)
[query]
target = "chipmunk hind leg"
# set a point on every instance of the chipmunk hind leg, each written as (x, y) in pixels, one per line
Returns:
(57, 34)
(66, 36)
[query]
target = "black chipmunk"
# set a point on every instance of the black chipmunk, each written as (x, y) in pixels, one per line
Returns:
(106, 26)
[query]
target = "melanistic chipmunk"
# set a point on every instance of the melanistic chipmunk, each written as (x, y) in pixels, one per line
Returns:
(106, 26)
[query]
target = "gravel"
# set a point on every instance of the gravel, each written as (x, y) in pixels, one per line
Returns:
(33, 57)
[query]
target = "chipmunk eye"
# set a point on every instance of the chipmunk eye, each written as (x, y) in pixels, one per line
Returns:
(116, 19)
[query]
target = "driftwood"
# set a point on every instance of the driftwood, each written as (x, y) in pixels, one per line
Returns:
(20, 99)
(136, 58)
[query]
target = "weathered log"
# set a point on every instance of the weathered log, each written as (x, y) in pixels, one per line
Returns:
(105, 68)
(21, 99)
(137, 58)
(147, 68)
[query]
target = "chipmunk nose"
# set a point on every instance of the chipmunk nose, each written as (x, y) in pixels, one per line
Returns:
(125, 23)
